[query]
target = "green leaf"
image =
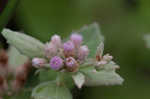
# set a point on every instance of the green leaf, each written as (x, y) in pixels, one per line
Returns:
(105, 76)
(27, 45)
(20, 95)
(111, 66)
(79, 79)
(51, 75)
(18, 60)
(47, 75)
(100, 49)
(92, 37)
(147, 39)
(50, 90)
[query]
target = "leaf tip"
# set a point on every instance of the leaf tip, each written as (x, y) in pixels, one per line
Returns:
(5, 32)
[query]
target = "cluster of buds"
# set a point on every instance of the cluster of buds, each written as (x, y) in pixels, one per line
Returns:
(68, 55)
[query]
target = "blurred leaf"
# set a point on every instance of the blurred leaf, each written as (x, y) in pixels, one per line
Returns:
(15, 58)
(100, 49)
(21, 95)
(79, 79)
(7, 13)
(105, 76)
(92, 37)
(50, 90)
(111, 66)
(147, 39)
(51, 75)
(27, 45)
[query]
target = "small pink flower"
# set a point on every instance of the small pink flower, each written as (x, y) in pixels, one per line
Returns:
(76, 39)
(103, 62)
(50, 50)
(38, 62)
(56, 63)
(70, 62)
(83, 52)
(56, 40)
(107, 57)
(69, 48)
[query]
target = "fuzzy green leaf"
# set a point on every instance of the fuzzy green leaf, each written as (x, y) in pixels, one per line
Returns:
(79, 79)
(100, 49)
(105, 76)
(147, 39)
(92, 37)
(27, 45)
(18, 60)
(50, 90)
(51, 75)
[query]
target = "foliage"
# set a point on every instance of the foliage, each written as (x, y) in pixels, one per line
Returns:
(87, 75)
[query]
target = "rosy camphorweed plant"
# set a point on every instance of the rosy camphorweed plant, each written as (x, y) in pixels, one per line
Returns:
(62, 64)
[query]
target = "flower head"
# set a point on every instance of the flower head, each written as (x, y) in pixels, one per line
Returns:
(38, 62)
(71, 64)
(64, 56)
(56, 63)
(76, 39)
(102, 62)
(69, 48)
(83, 52)
(107, 57)
(56, 40)
(50, 50)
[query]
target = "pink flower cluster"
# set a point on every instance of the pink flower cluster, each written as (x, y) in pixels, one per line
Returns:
(66, 55)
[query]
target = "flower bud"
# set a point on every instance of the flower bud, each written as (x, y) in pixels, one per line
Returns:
(71, 64)
(69, 49)
(38, 62)
(83, 52)
(56, 63)
(102, 62)
(107, 57)
(50, 50)
(56, 40)
(76, 39)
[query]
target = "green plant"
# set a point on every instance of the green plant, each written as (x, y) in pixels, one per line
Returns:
(55, 80)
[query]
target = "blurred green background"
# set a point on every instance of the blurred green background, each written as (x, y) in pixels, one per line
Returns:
(122, 22)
